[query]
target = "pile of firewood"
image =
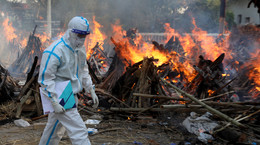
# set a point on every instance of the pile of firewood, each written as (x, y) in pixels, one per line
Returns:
(8, 85)
(141, 88)
(26, 97)
(29, 98)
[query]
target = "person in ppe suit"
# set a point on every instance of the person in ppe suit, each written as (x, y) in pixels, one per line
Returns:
(64, 60)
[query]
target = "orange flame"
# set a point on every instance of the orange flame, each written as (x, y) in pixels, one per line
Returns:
(97, 36)
(24, 43)
(208, 44)
(188, 47)
(9, 30)
(210, 92)
(224, 75)
(44, 39)
(254, 74)
(133, 52)
(169, 32)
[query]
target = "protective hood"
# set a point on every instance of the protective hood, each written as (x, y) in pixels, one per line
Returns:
(77, 25)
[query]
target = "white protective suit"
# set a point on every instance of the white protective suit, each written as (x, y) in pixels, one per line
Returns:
(65, 60)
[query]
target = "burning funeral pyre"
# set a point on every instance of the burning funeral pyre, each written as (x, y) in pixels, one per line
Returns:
(185, 72)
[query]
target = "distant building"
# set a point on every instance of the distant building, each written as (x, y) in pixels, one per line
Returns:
(242, 14)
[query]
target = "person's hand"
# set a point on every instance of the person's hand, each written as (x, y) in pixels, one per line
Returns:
(56, 106)
(94, 98)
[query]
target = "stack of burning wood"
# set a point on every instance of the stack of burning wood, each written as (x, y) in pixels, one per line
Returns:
(98, 60)
(24, 61)
(142, 80)
(143, 88)
(26, 98)
(243, 41)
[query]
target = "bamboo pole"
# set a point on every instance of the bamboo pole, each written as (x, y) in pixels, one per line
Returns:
(212, 110)
(180, 106)
(136, 109)
(230, 104)
(151, 107)
(237, 119)
(214, 97)
(159, 97)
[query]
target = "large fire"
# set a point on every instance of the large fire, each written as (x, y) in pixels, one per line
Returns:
(133, 50)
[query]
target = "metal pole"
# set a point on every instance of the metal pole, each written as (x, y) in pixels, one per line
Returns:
(49, 18)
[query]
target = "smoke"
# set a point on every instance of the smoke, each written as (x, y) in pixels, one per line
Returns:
(146, 15)
(150, 16)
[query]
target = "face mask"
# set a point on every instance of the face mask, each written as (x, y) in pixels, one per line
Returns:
(79, 42)
(75, 41)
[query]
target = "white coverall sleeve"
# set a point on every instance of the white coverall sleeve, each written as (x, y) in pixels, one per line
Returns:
(86, 79)
(47, 74)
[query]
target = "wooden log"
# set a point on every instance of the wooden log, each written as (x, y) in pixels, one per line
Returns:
(20, 106)
(125, 85)
(3, 80)
(30, 74)
(29, 108)
(248, 103)
(86, 110)
(212, 110)
(29, 100)
(151, 107)
(219, 89)
(92, 73)
(26, 87)
(38, 100)
(108, 94)
(146, 77)
(39, 117)
(159, 97)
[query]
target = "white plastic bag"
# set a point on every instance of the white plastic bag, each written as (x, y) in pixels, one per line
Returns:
(21, 123)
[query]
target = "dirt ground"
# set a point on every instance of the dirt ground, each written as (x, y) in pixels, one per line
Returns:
(146, 130)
